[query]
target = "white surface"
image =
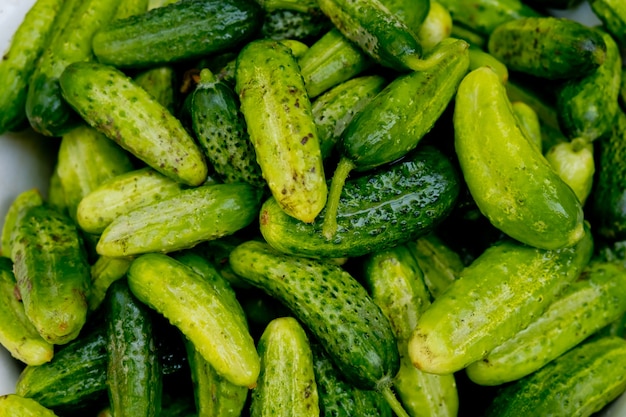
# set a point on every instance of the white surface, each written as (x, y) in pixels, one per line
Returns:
(26, 162)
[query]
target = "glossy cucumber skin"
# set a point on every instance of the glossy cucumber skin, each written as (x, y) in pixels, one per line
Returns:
(191, 303)
(52, 273)
(181, 30)
(287, 381)
(20, 204)
(612, 13)
(20, 60)
(280, 123)
(578, 383)
(12, 405)
(281, 24)
(513, 186)
(134, 379)
(370, 216)
(595, 300)
(356, 334)
(500, 293)
(101, 94)
(548, 47)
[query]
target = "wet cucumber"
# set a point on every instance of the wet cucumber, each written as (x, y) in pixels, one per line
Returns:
(12, 405)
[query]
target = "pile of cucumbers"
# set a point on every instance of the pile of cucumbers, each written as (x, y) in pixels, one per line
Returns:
(317, 208)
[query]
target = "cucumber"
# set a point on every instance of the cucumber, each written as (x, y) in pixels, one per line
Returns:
(20, 60)
(179, 31)
(529, 123)
(436, 27)
(182, 220)
(578, 383)
(480, 58)
(287, 381)
(592, 302)
(612, 14)
(160, 82)
(17, 334)
(46, 110)
(305, 26)
(306, 6)
(497, 295)
(376, 211)
(191, 303)
(102, 95)
(52, 273)
(131, 8)
(220, 129)
(513, 186)
(134, 379)
(277, 111)
(20, 204)
(12, 405)
(575, 164)
(548, 47)
(413, 13)
(104, 272)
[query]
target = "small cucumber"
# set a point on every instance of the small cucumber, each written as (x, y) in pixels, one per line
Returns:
(499, 294)
(529, 123)
(104, 272)
(12, 405)
(160, 82)
(287, 381)
(52, 273)
(470, 36)
(514, 186)
(191, 303)
(575, 164)
(376, 211)
(412, 12)
(134, 379)
(182, 220)
(480, 58)
(17, 334)
(284, 24)
(612, 14)
(102, 95)
(595, 300)
(548, 47)
(20, 204)
(179, 31)
(578, 383)
(436, 27)
(280, 123)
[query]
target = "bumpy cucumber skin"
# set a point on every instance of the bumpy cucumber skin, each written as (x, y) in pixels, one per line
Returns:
(370, 216)
(220, 129)
(20, 204)
(17, 333)
(396, 119)
(12, 405)
(613, 14)
(513, 186)
(333, 306)
(587, 305)
(578, 383)
(548, 47)
(182, 30)
(52, 273)
(102, 95)
(500, 293)
(20, 60)
(280, 123)
(287, 381)
(134, 378)
(191, 303)
(587, 106)
(182, 220)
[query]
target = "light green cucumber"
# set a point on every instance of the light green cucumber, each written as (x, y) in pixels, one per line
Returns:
(480, 58)
(20, 204)
(160, 82)
(529, 122)
(13, 405)
(575, 164)
(104, 272)
(436, 27)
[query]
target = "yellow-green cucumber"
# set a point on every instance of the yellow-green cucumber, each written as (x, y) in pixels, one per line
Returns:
(395, 121)
(160, 83)
(436, 27)
(529, 122)
(514, 186)
(481, 58)
(17, 334)
(497, 295)
(20, 204)
(13, 405)
(278, 115)
(287, 381)
(612, 14)
(575, 163)
(191, 303)
(52, 273)
(594, 300)
(104, 272)
(103, 95)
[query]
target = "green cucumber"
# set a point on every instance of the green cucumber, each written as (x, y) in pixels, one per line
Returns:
(480, 58)
(191, 303)
(20, 204)
(436, 27)
(20, 60)
(277, 111)
(12, 405)
(160, 82)
(529, 122)
(305, 26)
(376, 211)
(470, 36)
(56, 194)
(575, 164)
(513, 186)
(412, 12)
(131, 8)
(179, 31)
(104, 272)
(497, 295)
(102, 95)
(612, 14)
(306, 6)
(287, 381)
(548, 47)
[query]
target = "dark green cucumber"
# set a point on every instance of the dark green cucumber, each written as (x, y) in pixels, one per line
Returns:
(182, 30)
(134, 379)
(20, 60)
(20, 204)
(497, 295)
(47, 111)
(12, 405)
(376, 211)
(579, 383)
(548, 47)
(52, 273)
(281, 24)
(612, 14)
(554, 4)
(220, 129)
